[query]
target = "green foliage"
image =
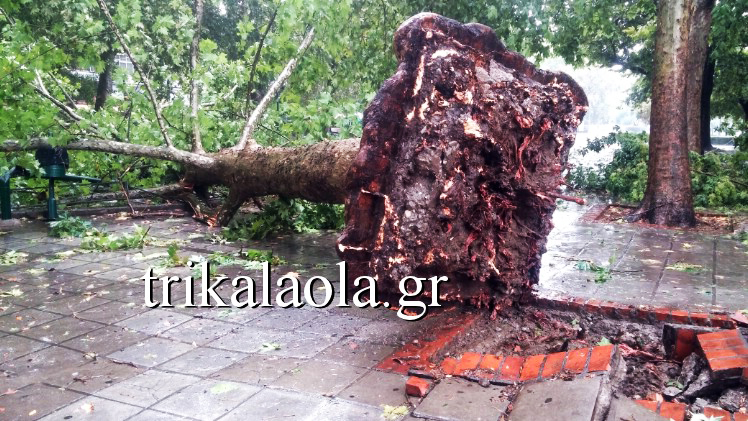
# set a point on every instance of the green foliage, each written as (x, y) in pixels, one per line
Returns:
(602, 274)
(625, 177)
(69, 226)
(101, 241)
(718, 180)
(12, 257)
(285, 216)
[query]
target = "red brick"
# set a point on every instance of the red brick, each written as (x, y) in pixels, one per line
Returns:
(609, 308)
(722, 320)
(576, 304)
(710, 411)
(700, 319)
(685, 344)
(673, 410)
(577, 360)
(679, 316)
(740, 417)
(661, 314)
(651, 405)
(722, 364)
(416, 386)
(722, 334)
(592, 305)
(469, 361)
(490, 363)
(600, 358)
(448, 366)
(725, 352)
(553, 364)
(722, 344)
(531, 368)
(642, 313)
(510, 369)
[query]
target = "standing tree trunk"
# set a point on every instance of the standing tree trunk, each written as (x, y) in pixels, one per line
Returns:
(706, 104)
(700, 12)
(104, 85)
(668, 199)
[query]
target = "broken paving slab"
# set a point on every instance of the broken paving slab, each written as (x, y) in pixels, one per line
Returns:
(455, 399)
(557, 400)
(625, 409)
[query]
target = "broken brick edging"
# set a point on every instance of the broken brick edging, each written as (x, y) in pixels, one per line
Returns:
(726, 352)
(594, 212)
(417, 355)
(515, 369)
(635, 313)
(677, 411)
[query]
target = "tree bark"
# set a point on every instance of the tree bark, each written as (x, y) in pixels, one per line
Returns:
(668, 199)
(706, 104)
(104, 85)
(700, 12)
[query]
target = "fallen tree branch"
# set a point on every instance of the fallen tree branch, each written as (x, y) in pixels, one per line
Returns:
(112, 146)
(42, 90)
(143, 77)
(254, 118)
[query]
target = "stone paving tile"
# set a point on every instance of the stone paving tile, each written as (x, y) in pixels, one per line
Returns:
(356, 352)
(199, 331)
(34, 401)
(151, 352)
(88, 269)
(624, 409)
(557, 399)
(387, 332)
(25, 320)
(202, 361)
(105, 340)
(302, 345)
(334, 325)
(346, 411)
(39, 365)
(258, 369)
(285, 319)
(12, 346)
(93, 408)
(247, 339)
(7, 307)
(72, 304)
(91, 377)
(236, 315)
(150, 415)
(457, 399)
(121, 274)
(271, 404)
(154, 322)
(207, 399)
(377, 388)
(319, 377)
(60, 330)
(147, 388)
(112, 312)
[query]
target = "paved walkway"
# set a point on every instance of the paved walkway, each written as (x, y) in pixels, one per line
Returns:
(643, 265)
(77, 343)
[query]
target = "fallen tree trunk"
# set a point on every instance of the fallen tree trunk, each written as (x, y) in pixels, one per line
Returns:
(456, 173)
(461, 155)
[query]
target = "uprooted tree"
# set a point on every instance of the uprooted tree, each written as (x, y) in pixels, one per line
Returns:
(456, 174)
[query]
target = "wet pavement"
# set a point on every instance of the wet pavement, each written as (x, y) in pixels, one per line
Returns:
(76, 341)
(642, 265)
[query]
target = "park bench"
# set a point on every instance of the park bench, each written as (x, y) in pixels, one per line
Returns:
(54, 163)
